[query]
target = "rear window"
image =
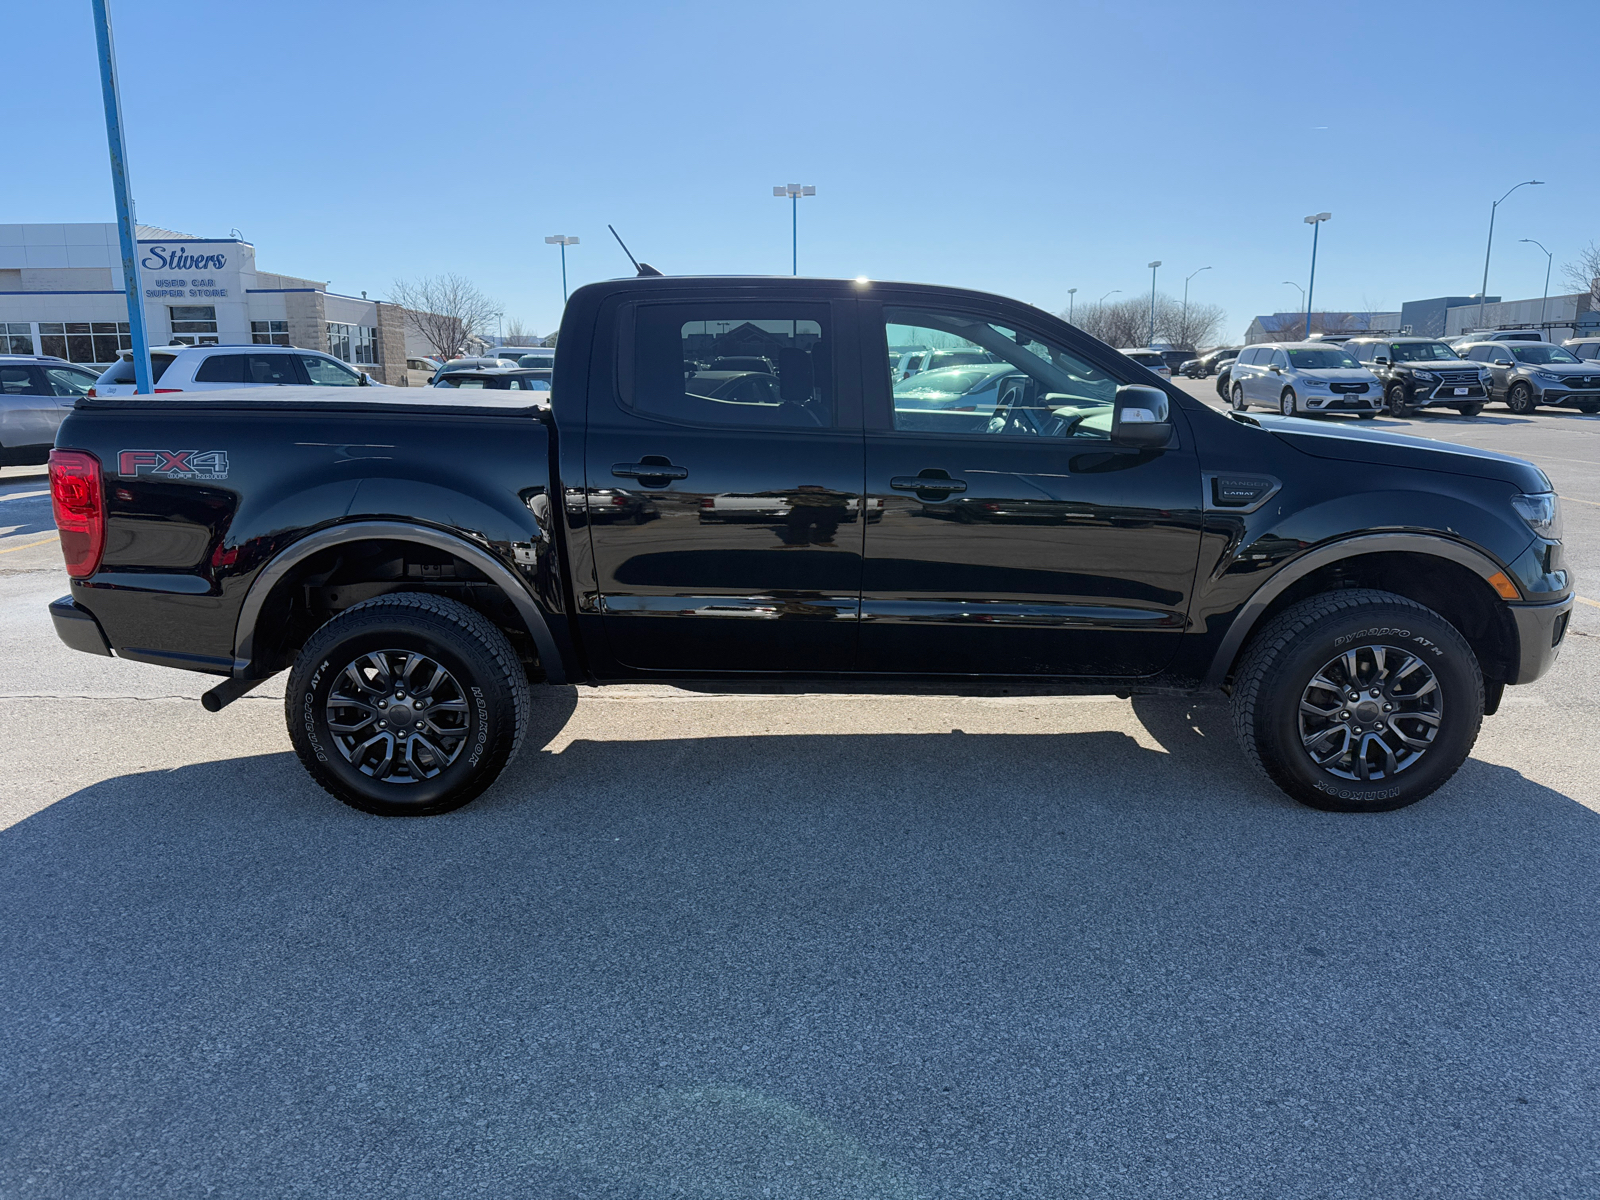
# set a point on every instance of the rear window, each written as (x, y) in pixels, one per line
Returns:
(121, 371)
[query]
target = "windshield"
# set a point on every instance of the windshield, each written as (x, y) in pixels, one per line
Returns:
(1323, 358)
(954, 380)
(1419, 352)
(1542, 354)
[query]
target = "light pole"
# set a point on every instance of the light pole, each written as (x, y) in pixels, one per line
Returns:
(122, 190)
(1072, 294)
(563, 241)
(1185, 331)
(1153, 267)
(794, 191)
(1549, 258)
(1315, 220)
(1112, 292)
(1489, 246)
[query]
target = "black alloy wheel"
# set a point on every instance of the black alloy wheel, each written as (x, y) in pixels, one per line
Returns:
(1394, 398)
(408, 704)
(1237, 398)
(1358, 701)
(1520, 399)
(1286, 403)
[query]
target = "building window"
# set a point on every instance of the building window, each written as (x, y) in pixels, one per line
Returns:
(353, 343)
(269, 333)
(194, 324)
(84, 341)
(16, 338)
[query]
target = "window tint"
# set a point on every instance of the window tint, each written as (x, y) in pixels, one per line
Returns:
(257, 369)
(325, 372)
(1587, 350)
(66, 382)
(1025, 386)
(122, 370)
(18, 381)
(673, 372)
(221, 368)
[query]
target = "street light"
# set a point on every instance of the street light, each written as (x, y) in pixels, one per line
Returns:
(1297, 288)
(1489, 246)
(1071, 295)
(1549, 258)
(563, 241)
(1184, 332)
(1112, 292)
(794, 191)
(1315, 220)
(1153, 267)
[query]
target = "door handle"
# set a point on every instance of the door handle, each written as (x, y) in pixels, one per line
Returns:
(662, 470)
(927, 483)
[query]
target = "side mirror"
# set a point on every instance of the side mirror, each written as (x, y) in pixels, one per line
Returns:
(362, 380)
(1381, 360)
(1275, 369)
(1141, 416)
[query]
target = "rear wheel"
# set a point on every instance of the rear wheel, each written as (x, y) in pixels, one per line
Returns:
(1520, 399)
(1358, 701)
(407, 704)
(1237, 398)
(1286, 402)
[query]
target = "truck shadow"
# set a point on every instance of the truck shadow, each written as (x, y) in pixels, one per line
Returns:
(824, 964)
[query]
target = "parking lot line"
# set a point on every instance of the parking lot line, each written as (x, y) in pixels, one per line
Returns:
(1586, 600)
(30, 545)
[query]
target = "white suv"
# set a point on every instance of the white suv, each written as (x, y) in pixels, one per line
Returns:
(206, 368)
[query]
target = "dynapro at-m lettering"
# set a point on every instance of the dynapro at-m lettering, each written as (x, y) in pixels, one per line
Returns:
(161, 258)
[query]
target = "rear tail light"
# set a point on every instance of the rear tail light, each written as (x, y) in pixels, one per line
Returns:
(707, 502)
(78, 498)
(90, 392)
(619, 501)
(158, 391)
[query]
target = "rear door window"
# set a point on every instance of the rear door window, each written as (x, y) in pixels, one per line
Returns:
(66, 382)
(20, 381)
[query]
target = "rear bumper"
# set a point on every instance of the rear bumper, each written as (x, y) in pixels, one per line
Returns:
(77, 627)
(1541, 628)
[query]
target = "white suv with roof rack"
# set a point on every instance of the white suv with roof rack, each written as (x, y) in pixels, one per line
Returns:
(206, 368)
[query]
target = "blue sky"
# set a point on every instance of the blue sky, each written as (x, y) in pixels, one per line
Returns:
(1021, 148)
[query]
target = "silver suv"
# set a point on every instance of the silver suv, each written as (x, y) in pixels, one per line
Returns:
(1528, 374)
(1302, 378)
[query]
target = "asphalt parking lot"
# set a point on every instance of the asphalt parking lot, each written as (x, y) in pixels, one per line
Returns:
(801, 947)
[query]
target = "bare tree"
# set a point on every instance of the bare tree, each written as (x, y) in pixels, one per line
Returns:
(447, 311)
(1127, 322)
(1583, 275)
(518, 334)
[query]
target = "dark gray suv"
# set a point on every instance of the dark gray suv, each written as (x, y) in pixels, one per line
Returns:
(1418, 372)
(1528, 374)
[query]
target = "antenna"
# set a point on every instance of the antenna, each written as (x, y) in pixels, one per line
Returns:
(643, 269)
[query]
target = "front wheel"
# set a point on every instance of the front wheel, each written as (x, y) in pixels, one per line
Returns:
(408, 704)
(1286, 403)
(1394, 397)
(1520, 399)
(1237, 398)
(1358, 701)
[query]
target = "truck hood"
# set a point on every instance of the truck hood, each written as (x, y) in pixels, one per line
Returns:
(1381, 448)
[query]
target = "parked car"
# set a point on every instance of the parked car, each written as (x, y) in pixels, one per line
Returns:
(1421, 372)
(1363, 599)
(1173, 356)
(515, 379)
(1495, 335)
(36, 390)
(420, 371)
(212, 368)
(916, 361)
(1209, 363)
(743, 362)
(471, 363)
(1303, 378)
(599, 506)
(1153, 359)
(1528, 374)
(1586, 348)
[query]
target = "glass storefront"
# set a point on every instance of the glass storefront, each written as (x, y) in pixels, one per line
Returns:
(83, 341)
(194, 324)
(269, 333)
(353, 343)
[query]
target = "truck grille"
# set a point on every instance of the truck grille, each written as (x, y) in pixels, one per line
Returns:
(1347, 389)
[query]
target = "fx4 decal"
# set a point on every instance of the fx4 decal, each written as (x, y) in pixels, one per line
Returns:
(174, 464)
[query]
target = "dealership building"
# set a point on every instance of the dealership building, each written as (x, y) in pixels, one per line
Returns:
(61, 293)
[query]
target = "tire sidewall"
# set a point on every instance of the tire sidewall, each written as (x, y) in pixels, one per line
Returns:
(1395, 397)
(1443, 651)
(1520, 399)
(321, 664)
(1236, 398)
(1288, 403)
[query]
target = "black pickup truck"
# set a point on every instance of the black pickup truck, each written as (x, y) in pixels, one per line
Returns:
(1046, 515)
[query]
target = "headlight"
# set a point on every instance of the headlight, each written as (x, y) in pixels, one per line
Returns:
(1484, 376)
(1428, 375)
(1542, 512)
(1547, 377)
